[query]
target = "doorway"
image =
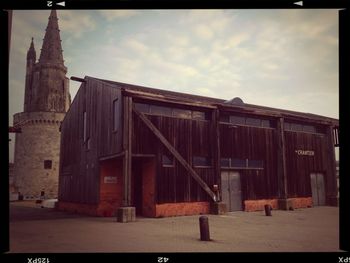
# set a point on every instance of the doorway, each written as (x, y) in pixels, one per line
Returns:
(231, 190)
(143, 190)
(318, 189)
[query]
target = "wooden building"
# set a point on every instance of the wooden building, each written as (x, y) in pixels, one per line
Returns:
(167, 153)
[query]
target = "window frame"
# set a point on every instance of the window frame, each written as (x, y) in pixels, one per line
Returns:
(84, 126)
(171, 159)
(47, 164)
(115, 114)
(209, 162)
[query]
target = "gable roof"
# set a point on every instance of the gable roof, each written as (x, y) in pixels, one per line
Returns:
(220, 103)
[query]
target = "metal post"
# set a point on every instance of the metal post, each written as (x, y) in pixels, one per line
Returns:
(268, 210)
(204, 228)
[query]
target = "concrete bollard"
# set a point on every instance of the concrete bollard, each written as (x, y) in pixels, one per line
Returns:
(268, 210)
(204, 228)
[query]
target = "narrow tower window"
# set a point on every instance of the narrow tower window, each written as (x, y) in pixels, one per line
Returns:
(84, 127)
(115, 115)
(47, 164)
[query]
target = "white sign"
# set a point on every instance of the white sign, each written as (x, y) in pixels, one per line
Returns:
(304, 152)
(110, 179)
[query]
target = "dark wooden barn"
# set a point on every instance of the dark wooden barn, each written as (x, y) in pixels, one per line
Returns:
(165, 153)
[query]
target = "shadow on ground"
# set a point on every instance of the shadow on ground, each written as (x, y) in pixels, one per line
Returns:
(20, 213)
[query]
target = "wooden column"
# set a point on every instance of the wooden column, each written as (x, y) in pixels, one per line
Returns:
(127, 147)
(215, 147)
(281, 161)
(331, 180)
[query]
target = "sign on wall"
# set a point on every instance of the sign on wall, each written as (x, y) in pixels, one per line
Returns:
(305, 152)
(110, 179)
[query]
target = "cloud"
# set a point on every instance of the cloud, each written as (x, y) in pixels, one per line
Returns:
(177, 40)
(203, 31)
(75, 23)
(135, 45)
(206, 24)
(237, 39)
(219, 53)
(270, 66)
(111, 15)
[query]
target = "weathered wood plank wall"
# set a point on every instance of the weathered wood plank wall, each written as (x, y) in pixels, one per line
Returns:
(190, 138)
(299, 167)
(252, 143)
(79, 170)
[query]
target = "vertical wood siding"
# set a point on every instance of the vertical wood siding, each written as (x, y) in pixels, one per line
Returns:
(79, 171)
(243, 142)
(190, 138)
(299, 167)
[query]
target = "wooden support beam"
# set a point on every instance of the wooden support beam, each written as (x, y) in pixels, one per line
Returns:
(336, 136)
(215, 135)
(127, 132)
(77, 79)
(112, 156)
(281, 159)
(331, 180)
(175, 153)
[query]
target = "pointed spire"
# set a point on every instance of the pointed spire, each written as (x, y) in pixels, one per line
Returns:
(51, 51)
(31, 54)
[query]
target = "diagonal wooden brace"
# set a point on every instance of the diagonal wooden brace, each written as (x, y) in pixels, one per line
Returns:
(175, 153)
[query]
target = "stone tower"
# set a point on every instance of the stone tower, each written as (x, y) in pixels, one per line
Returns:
(46, 101)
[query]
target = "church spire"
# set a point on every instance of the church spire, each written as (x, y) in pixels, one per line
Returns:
(51, 51)
(47, 87)
(31, 54)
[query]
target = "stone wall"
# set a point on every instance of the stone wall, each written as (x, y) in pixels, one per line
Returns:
(13, 192)
(38, 141)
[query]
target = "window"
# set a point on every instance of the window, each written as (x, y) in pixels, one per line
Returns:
(201, 161)
(84, 126)
(142, 107)
(241, 163)
(248, 121)
(200, 115)
(224, 118)
(160, 110)
(181, 113)
(287, 126)
(253, 122)
(255, 164)
(296, 127)
(237, 120)
(47, 164)
(309, 128)
(115, 115)
(172, 112)
(167, 160)
(225, 162)
(266, 123)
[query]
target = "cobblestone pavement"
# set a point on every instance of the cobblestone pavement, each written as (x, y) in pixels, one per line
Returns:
(35, 229)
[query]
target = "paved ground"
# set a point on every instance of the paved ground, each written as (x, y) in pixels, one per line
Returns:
(35, 229)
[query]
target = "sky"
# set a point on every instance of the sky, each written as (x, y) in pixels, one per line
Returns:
(285, 59)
